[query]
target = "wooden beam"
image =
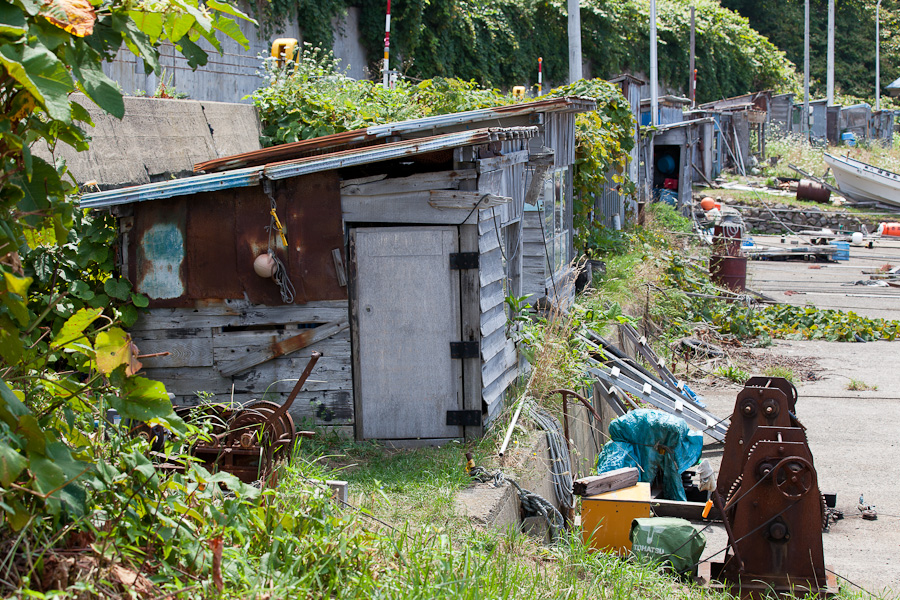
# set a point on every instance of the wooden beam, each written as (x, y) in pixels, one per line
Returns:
(414, 183)
(451, 199)
(606, 482)
(292, 344)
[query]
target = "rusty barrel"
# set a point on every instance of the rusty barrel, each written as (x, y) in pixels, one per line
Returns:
(810, 190)
(729, 271)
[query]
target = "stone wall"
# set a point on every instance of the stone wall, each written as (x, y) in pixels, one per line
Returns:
(776, 218)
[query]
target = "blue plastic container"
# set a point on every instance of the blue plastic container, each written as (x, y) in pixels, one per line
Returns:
(670, 197)
(843, 250)
(848, 138)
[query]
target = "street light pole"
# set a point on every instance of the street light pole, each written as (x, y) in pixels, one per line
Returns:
(829, 78)
(878, 55)
(574, 41)
(804, 125)
(654, 90)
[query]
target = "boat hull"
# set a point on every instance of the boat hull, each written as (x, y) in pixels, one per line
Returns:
(862, 181)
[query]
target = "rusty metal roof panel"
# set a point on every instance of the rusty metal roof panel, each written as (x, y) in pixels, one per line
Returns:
(371, 135)
(312, 164)
(319, 145)
(394, 150)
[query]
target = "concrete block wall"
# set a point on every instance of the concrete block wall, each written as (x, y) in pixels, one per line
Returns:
(236, 73)
(157, 140)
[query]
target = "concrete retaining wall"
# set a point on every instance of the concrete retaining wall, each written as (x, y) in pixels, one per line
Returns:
(157, 140)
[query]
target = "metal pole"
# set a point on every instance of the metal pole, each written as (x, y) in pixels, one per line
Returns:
(540, 74)
(654, 90)
(878, 56)
(575, 72)
(386, 78)
(829, 85)
(692, 83)
(804, 124)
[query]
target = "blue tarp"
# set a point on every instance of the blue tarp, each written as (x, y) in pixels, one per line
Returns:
(652, 441)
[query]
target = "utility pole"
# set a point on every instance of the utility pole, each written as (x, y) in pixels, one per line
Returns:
(878, 56)
(386, 79)
(692, 72)
(654, 90)
(829, 78)
(804, 125)
(574, 41)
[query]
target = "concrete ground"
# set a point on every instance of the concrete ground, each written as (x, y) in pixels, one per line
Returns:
(829, 284)
(854, 435)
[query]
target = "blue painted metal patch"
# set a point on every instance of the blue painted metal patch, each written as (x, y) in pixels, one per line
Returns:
(163, 252)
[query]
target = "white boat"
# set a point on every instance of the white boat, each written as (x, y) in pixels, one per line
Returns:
(864, 183)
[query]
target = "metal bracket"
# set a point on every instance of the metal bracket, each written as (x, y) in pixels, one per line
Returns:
(464, 418)
(463, 260)
(464, 349)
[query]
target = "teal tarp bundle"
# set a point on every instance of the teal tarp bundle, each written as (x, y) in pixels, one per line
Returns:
(652, 441)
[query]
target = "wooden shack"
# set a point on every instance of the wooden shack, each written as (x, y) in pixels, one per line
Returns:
(401, 243)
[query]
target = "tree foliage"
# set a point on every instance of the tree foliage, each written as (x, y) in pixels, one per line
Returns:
(782, 23)
(64, 357)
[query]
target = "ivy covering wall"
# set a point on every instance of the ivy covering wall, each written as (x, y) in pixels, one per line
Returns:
(497, 42)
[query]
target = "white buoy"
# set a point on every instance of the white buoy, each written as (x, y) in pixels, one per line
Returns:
(856, 239)
(264, 265)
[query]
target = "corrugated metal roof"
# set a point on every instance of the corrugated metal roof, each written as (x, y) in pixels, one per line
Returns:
(363, 137)
(312, 164)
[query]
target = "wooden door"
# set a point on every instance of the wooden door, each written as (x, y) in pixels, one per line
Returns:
(406, 312)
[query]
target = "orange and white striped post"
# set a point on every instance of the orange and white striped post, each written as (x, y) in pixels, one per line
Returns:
(387, 46)
(540, 74)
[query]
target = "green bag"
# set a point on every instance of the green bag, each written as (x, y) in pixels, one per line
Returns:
(667, 539)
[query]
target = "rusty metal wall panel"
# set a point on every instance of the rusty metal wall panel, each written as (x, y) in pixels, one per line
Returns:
(202, 247)
(312, 217)
(210, 255)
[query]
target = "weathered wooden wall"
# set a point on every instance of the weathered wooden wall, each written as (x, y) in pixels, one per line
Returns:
(500, 247)
(210, 338)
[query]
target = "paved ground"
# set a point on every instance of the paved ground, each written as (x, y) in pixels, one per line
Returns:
(829, 284)
(854, 436)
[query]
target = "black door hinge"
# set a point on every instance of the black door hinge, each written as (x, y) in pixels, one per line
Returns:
(464, 349)
(463, 260)
(464, 418)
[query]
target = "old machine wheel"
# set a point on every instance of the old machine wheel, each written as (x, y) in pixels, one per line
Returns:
(247, 441)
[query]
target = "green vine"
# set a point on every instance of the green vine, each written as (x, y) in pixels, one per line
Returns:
(315, 99)
(498, 43)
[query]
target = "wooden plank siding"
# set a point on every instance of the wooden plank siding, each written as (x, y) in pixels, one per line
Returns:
(204, 340)
(500, 248)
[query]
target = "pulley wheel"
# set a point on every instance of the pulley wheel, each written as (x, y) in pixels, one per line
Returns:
(793, 477)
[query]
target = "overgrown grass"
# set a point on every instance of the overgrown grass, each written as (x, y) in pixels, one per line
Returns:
(791, 149)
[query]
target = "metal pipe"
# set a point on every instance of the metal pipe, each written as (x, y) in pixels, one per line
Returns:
(692, 72)
(512, 425)
(386, 78)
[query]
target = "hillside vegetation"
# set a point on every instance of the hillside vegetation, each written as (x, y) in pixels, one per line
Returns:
(782, 22)
(498, 42)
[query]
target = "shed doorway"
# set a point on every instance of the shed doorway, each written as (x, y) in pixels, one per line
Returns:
(405, 312)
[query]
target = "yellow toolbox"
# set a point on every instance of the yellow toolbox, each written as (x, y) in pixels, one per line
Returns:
(606, 518)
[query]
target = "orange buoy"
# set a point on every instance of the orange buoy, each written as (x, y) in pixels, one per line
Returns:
(892, 229)
(707, 204)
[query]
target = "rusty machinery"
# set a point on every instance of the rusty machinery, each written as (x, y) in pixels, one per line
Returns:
(769, 495)
(245, 441)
